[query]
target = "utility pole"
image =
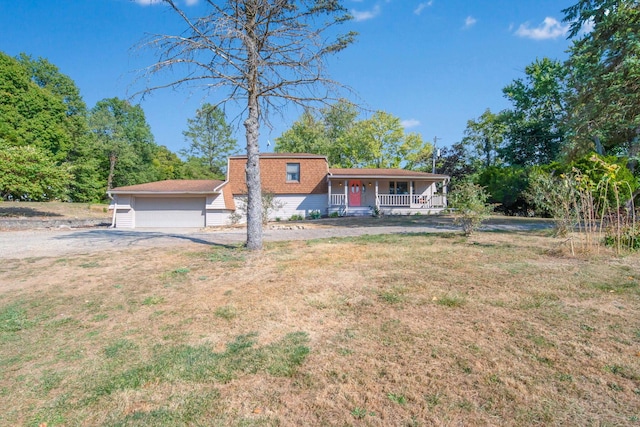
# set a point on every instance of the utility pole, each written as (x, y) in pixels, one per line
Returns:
(435, 151)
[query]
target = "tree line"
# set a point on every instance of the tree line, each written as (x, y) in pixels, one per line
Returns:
(573, 116)
(52, 147)
(562, 112)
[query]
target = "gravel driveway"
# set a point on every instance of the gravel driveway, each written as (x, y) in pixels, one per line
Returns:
(62, 242)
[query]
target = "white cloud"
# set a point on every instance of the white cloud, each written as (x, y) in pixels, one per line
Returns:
(422, 6)
(587, 27)
(550, 28)
(410, 123)
(470, 21)
(365, 15)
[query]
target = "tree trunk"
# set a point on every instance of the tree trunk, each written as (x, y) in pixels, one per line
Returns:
(112, 167)
(254, 190)
(252, 127)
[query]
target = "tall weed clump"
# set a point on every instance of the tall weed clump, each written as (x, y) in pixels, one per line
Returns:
(594, 203)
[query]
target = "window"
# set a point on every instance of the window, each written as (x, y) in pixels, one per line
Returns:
(293, 172)
(398, 187)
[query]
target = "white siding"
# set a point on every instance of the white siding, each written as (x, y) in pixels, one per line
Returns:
(215, 201)
(124, 212)
(299, 204)
(124, 218)
(123, 201)
(291, 204)
(218, 217)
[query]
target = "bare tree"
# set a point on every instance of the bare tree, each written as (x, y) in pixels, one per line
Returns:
(266, 53)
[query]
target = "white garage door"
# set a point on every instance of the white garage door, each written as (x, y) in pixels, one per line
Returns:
(169, 211)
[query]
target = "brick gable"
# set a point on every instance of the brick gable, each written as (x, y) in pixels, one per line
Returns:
(273, 173)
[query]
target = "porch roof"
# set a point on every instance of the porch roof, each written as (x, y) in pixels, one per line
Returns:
(385, 174)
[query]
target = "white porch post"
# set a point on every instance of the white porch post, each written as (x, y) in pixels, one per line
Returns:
(329, 196)
(377, 201)
(346, 196)
(410, 194)
(444, 193)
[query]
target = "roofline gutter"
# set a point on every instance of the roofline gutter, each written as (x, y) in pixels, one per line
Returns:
(163, 193)
(394, 177)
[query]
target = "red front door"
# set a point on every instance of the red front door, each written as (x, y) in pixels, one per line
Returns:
(355, 195)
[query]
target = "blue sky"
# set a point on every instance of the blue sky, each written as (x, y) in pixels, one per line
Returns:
(433, 63)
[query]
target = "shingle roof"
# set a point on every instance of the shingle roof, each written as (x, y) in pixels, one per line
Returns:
(192, 186)
(383, 173)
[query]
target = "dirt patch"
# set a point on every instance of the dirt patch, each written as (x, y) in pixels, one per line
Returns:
(53, 210)
(52, 215)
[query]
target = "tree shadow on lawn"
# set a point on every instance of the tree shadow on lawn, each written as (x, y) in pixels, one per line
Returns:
(131, 238)
(434, 221)
(442, 222)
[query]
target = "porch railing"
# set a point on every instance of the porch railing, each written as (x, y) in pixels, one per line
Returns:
(394, 199)
(399, 200)
(338, 200)
(437, 201)
(412, 200)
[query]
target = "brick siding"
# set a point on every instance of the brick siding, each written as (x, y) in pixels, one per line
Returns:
(273, 174)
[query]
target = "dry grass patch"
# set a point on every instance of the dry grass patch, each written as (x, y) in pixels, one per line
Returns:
(377, 330)
(53, 210)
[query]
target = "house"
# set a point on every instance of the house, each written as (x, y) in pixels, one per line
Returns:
(300, 184)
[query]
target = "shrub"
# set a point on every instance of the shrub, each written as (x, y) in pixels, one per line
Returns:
(595, 201)
(506, 186)
(469, 204)
(314, 214)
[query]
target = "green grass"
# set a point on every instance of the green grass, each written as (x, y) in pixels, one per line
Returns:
(13, 318)
(233, 256)
(452, 300)
(226, 312)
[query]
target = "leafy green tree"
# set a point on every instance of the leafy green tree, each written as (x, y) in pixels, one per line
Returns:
(457, 162)
(534, 126)
(123, 138)
(329, 131)
(419, 156)
(485, 136)
(86, 185)
(383, 139)
(28, 173)
(168, 165)
(605, 76)
(29, 114)
(506, 186)
(339, 120)
(307, 135)
(377, 142)
(210, 142)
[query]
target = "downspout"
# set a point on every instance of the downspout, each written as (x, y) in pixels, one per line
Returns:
(329, 189)
(115, 209)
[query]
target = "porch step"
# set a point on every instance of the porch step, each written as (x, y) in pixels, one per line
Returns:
(359, 211)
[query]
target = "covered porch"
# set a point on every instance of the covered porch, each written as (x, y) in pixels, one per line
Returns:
(354, 192)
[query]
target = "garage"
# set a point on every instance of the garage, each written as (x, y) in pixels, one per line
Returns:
(165, 212)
